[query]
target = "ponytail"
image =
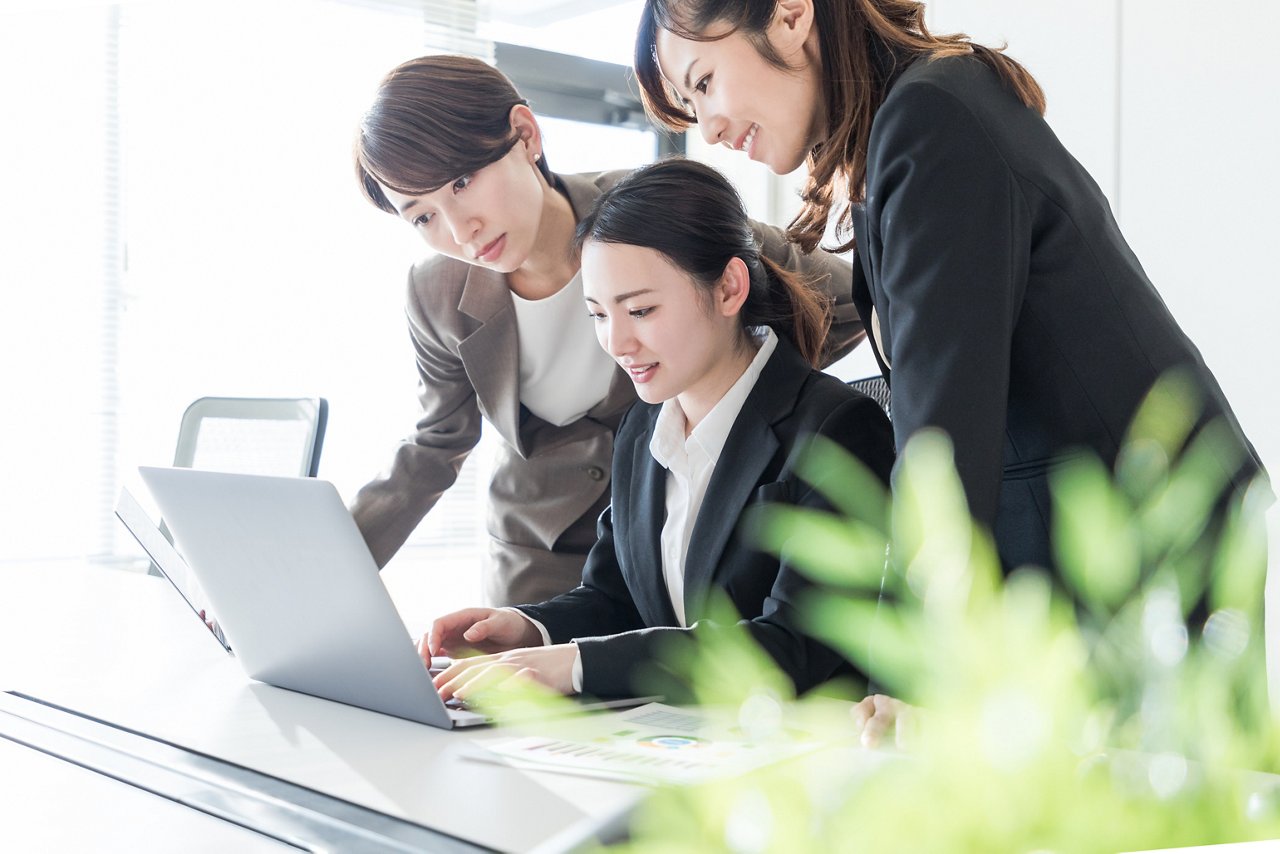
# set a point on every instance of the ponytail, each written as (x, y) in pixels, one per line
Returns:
(798, 311)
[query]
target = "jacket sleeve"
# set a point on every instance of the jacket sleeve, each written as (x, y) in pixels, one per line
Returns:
(602, 604)
(954, 234)
(861, 427)
(388, 508)
(831, 274)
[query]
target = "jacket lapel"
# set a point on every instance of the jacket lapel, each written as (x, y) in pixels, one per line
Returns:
(645, 520)
(749, 449)
(491, 354)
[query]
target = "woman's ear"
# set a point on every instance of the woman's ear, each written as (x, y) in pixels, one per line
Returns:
(733, 288)
(791, 25)
(526, 128)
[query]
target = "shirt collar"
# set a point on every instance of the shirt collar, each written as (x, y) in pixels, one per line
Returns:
(668, 444)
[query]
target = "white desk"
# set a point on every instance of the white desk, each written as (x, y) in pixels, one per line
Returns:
(123, 648)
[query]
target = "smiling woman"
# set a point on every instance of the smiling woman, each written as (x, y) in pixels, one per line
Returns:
(766, 108)
(1008, 309)
(496, 319)
(720, 344)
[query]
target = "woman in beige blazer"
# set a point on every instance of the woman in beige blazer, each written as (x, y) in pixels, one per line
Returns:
(451, 147)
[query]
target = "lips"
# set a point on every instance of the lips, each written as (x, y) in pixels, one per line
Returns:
(492, 250)
(747, 141)
(641, 374)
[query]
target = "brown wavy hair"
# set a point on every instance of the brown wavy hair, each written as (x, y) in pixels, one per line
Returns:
(433, 120)
(873, 38)
(691, 214)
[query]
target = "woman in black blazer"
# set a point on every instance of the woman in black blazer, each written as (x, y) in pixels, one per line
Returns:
(721, 346)
(1005, 306)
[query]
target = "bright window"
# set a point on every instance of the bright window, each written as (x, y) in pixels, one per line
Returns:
(180, 219)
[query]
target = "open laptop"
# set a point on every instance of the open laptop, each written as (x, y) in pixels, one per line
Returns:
(164, 556)
(293, 585)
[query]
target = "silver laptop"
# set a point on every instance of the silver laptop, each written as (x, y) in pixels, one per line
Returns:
(164, 556)
(293, 585)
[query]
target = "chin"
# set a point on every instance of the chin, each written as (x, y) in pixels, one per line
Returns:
(786, 167)
(650, 395)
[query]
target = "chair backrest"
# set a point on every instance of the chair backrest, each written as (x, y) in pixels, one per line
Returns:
(253, 435)
(877, 389)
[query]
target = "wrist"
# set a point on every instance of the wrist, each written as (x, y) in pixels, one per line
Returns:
(529, 632)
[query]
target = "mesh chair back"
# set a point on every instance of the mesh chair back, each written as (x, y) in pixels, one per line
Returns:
(877, 389)
(253, 435)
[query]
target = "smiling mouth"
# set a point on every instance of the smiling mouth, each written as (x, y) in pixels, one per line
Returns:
(641, 374)
(748, 140)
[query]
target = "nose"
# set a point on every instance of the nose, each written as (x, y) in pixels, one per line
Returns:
(713, 125)
(616, 336)
(462, 225)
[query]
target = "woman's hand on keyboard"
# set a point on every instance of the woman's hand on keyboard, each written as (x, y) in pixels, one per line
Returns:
(551, 666)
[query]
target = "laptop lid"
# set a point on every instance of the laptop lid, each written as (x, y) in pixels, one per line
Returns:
(162, 553)
(293, 585)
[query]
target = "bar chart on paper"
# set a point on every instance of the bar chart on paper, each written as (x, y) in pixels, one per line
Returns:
(653, 743)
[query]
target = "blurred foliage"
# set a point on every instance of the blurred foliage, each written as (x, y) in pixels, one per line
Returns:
(1119, 703)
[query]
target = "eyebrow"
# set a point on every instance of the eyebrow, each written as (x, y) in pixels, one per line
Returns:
(688, 73)
(624, 297)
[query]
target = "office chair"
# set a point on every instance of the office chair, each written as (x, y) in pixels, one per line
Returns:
(253, 435)
(877, 389)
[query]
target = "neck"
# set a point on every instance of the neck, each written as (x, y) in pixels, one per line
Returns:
(553, 261)
(702, 397)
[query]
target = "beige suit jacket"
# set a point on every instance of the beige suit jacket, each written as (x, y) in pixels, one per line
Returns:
(549, 483)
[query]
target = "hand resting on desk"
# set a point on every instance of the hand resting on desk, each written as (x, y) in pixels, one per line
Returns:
(879, 716)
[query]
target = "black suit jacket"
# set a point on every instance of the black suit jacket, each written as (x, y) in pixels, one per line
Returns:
(622, 609)
(1012, 313)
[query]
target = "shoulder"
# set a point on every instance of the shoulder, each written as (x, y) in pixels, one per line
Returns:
(963, 78)
(433, 294)
(583, 188)
(439, 272)
(822, 396)
(948, 95)
(828, 407)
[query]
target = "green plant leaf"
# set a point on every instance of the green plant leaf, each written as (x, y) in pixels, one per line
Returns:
(845, 481)
(828, 549)
(1240, 564)
(1094, 537)
(885, 641)
(1168, 413)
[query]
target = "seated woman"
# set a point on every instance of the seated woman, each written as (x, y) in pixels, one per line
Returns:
(721, 345)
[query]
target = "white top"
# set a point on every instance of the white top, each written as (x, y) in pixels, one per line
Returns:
(563, 371)
(689, 463)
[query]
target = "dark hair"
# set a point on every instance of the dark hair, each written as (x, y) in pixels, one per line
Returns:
(861, 43)
(433, 120)
(691, 214)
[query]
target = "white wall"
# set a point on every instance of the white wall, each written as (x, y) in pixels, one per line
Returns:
(1174, 110)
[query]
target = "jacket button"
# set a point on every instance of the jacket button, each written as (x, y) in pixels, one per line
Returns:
(595, 472)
